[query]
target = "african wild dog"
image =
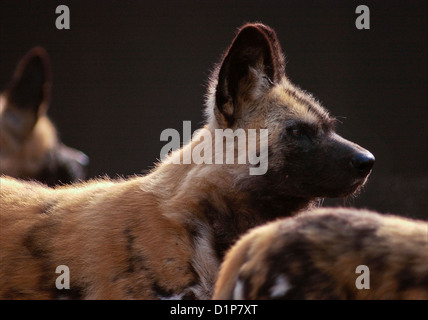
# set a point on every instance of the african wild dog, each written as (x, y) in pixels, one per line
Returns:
(315, 255)
(29, 144)
(163, 235)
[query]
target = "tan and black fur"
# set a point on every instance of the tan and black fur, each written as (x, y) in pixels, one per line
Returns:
(315, 254)
(29, 145)
(164, 235)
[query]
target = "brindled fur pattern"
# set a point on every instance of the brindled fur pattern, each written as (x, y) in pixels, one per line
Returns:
(163, 235)
(315, 255)
(30, 148)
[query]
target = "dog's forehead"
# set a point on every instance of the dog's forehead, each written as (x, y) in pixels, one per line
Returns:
(295, 103)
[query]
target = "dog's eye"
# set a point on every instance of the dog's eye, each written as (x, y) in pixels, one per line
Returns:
(296, 133)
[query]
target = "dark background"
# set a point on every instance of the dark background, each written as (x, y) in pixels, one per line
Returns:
(126, 70)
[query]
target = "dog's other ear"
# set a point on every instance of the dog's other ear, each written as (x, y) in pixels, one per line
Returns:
(31, 83)
(28, 94)
(253, 63)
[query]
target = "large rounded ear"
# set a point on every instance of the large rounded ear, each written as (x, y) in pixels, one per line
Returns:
(252, 64)
(30, 88)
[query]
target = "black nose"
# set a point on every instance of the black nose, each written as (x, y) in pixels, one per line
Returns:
(363, 162)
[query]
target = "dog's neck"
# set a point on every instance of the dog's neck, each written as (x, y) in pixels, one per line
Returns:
(230, 217)
(209, 195)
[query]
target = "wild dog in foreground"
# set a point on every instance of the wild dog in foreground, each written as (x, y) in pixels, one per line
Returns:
(315, 255)
(29, 144)
(163, 235)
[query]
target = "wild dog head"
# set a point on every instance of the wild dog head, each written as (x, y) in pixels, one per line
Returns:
(307, 158)
(29, 145)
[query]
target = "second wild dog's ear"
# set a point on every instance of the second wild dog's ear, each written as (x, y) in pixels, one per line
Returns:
(28, 94)
(253, 60)
(31, 83)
